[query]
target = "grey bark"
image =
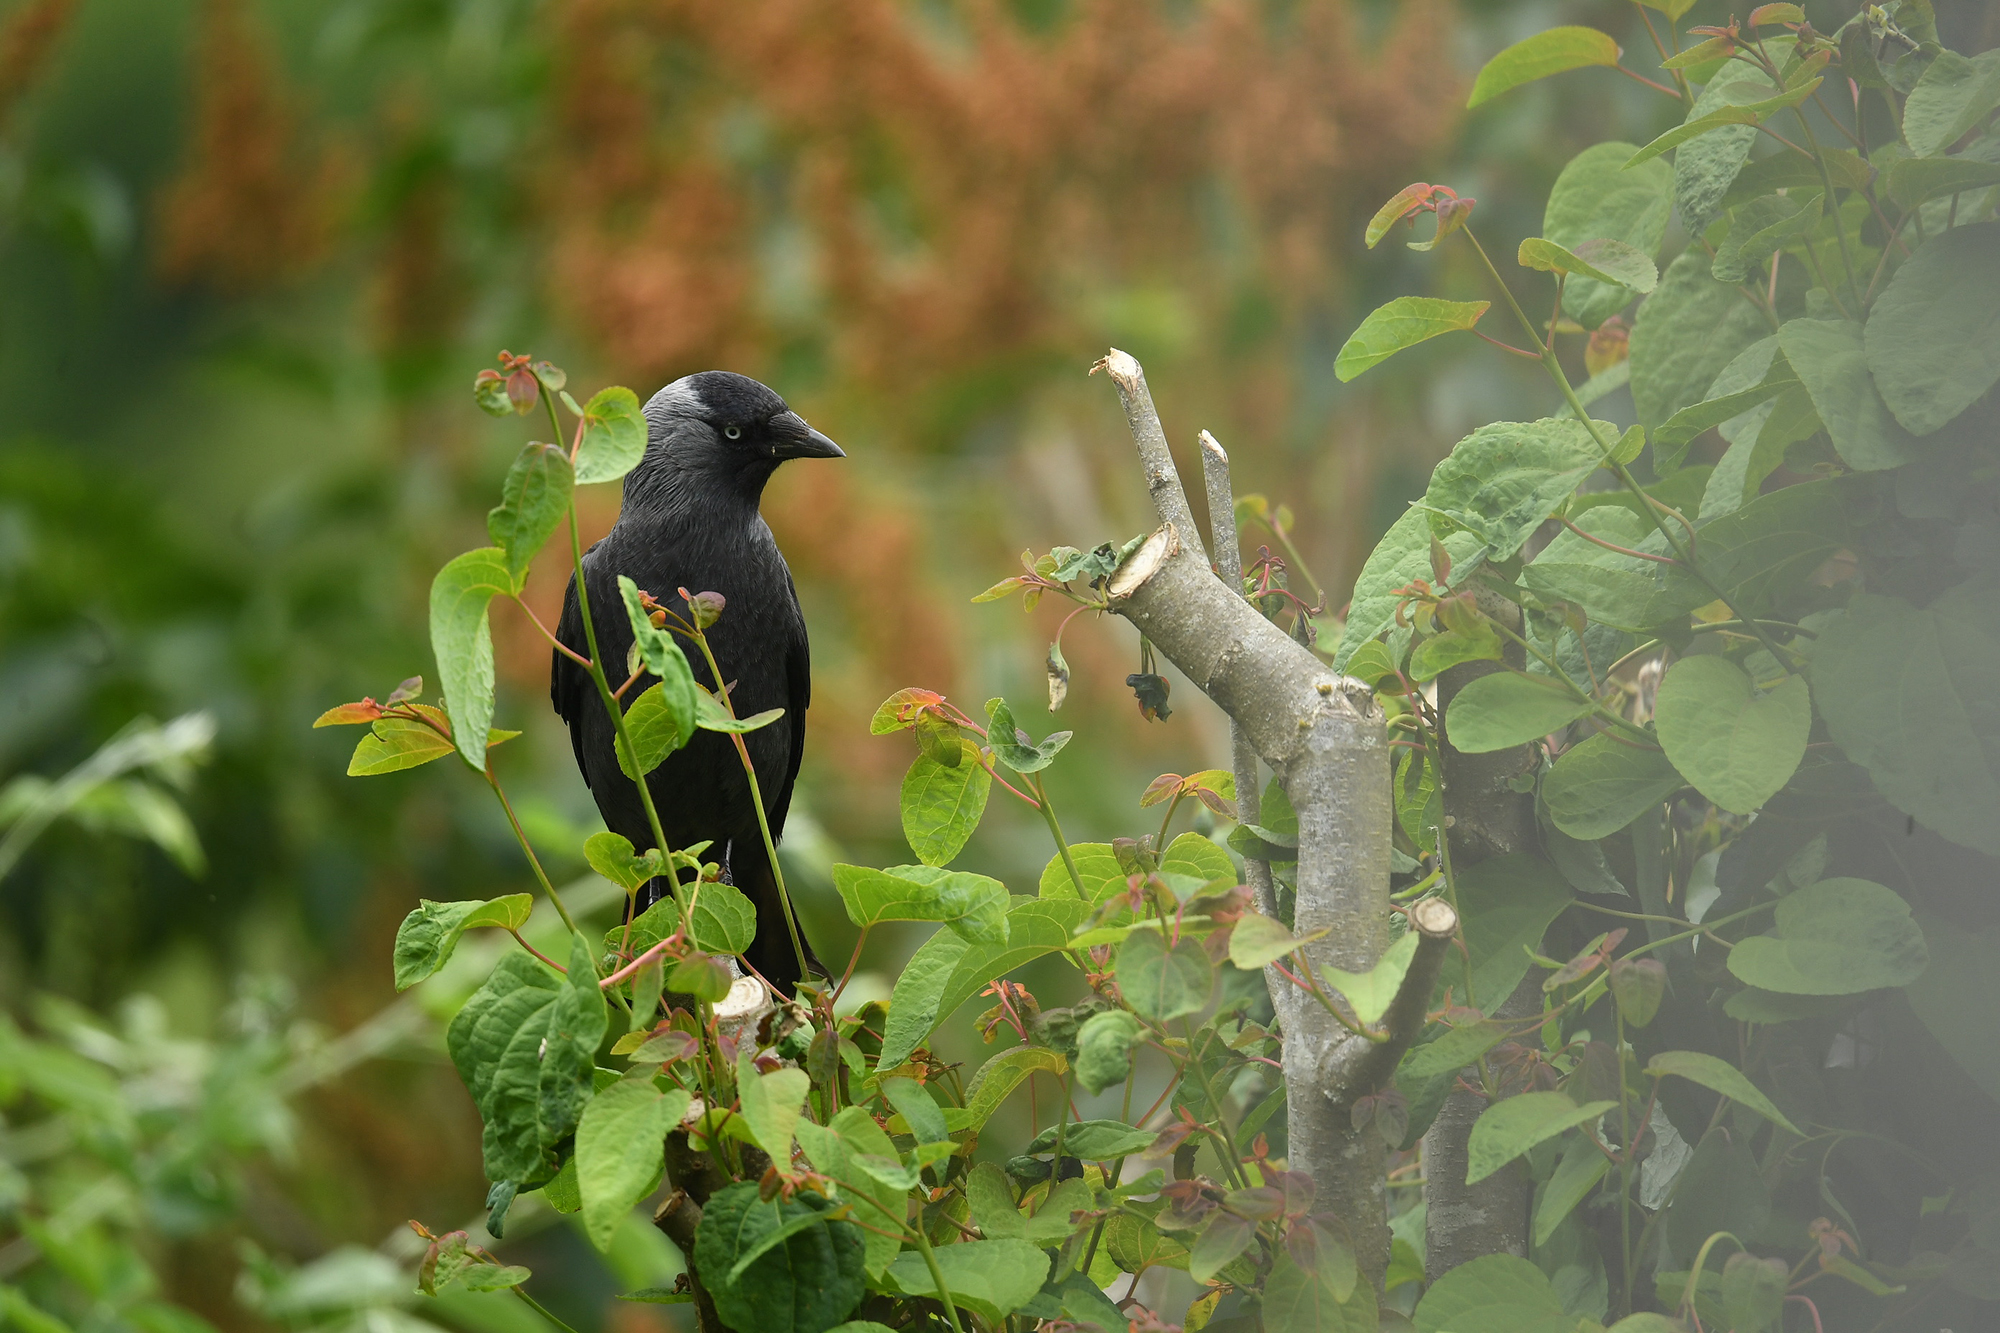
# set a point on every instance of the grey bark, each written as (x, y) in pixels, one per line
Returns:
(1485, 817)
(1229, 567)
(1323, 735)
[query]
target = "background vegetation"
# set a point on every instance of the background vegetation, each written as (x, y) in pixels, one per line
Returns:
(249, 257)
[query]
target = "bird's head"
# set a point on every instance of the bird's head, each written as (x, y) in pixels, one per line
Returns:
(724, 434)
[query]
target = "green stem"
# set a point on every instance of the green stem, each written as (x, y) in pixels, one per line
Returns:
(1833, 208)
(611, 705)
(520, 836)
(1048, 810)
(1624, 473)
(757, 800)
(1625, 1165)
(1577, 691)
(541, 1309)
(1234, 1160)
(937, 1276)
(1168, 822)
(1062, 1127)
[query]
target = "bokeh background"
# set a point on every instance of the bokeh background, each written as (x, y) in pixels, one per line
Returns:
(251, 255)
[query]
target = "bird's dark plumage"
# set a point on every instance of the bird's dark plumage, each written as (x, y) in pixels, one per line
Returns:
(690, 520)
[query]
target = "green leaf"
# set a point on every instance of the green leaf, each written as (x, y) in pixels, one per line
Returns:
(1601, 258)
(1403, 322)
(1198, 858)
(1613, 589)
(1505, 906)
(525, 1045)
(1720, 1189)
(1096, 864)
(771, 1103)
(1104, 1048)
(1553, 51)
(533, 500)
(1736, 746)
(1403, 555)
(1596, 197)
(1687, 331)
(463, 646)
(1758, 228)
(710, 715)
(1958, 998)
(1164, 982)
(1439, 653)
(1507, 708)
(1913, 181)
(1955, 94)
(1933, 338)
(991, 1278)
(1707, 168)
(1094, 1140)
(832, 1149)
(1510, 1127)
(973, 905)
(1753, 1290)
(1394, 211)
(721, 919)
(947, 970)
(1722, 1077)
(1004, 737)
(1576, 1175)
(655, 731)
(1495, 1293)
(1731, 112)
(1299, 1301)
(918, 1109)
(428, 935)
(614, 436)
(810, 1282)
(942, 805)
(1598, 787)
(620, 1144)
(1370, 993)
(1755, 375)
(1836, 937)
(611, 855)
(1504, 480)
(1829, 360)
(1257, 940)
(396, 743)
(1907, 694)
(1225, 1236)
(998, 1077)
(679, 695)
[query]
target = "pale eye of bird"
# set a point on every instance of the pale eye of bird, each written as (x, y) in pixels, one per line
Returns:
(732, 432)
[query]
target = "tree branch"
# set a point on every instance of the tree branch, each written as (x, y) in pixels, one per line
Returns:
(1323, 736)
(1229, 565)
(1162, 481)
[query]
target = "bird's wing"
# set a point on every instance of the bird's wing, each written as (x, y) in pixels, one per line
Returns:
(569, 684)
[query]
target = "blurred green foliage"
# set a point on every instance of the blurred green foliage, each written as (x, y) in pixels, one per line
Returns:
(250, 256)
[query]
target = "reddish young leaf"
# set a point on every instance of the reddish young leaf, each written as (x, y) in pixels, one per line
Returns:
(1159, 789)
(347, 715)
(1405, 202)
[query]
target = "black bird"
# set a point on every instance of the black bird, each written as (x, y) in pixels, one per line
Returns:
(690, 520)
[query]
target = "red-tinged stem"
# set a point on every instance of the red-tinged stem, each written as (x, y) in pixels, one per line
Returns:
(1807, 1302)
(1622, 550)
(986, 763)
(619, 693)
(537, 952)
(858, 945)
(1509, 347)
(1657, 87)
(639, 962)
(554, 642)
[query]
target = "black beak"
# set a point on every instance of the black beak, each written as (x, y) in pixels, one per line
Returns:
(791, 437)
